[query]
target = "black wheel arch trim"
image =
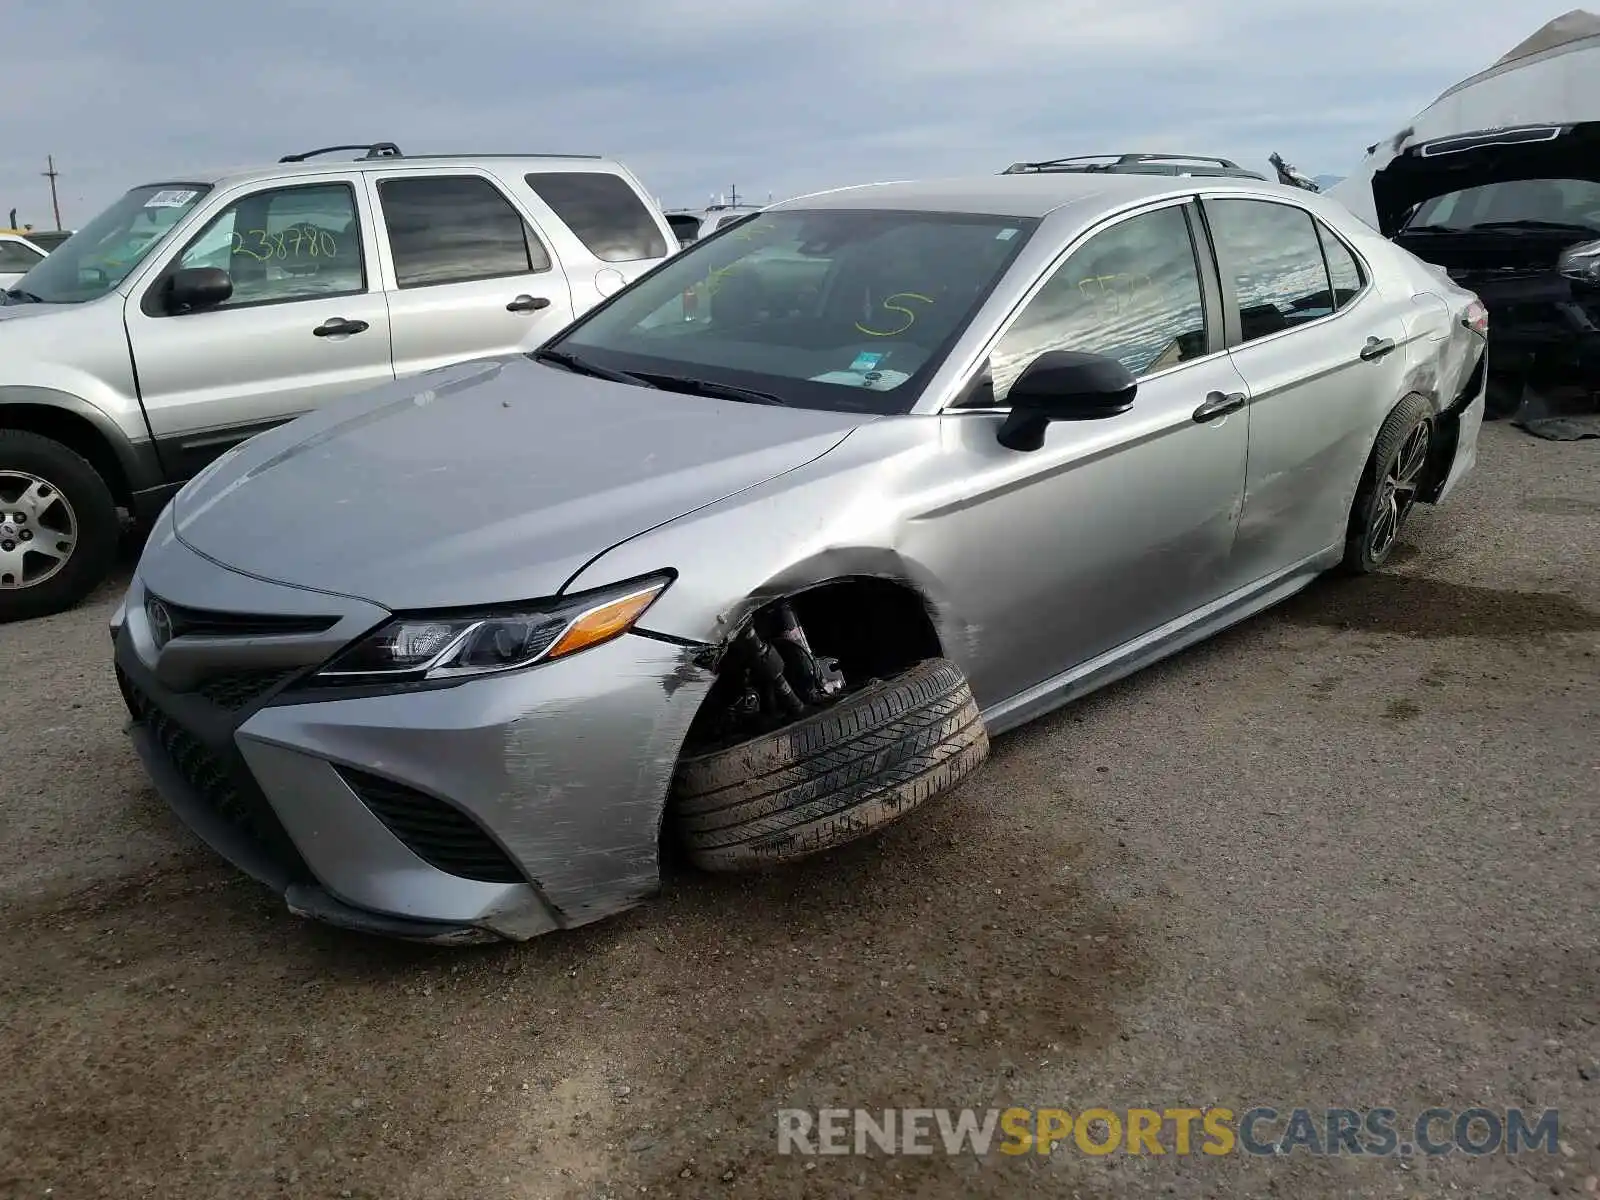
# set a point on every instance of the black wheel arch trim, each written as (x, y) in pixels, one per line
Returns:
(138, 460)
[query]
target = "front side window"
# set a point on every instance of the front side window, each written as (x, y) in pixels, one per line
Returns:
(105, 251)
(15, 256)
(604, 213)
(296, 243)
(1131, 292)
(825, 308)
(454, 228)
(1272, 261)
(1568, 203)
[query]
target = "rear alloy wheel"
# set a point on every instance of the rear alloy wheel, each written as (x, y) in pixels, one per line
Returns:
(831, 777)
(58, 526)
(1394, 476)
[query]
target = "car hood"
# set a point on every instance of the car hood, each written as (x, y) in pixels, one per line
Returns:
(484, 483)
(1449, 164)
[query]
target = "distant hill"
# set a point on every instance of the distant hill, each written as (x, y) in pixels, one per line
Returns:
(1327, 181)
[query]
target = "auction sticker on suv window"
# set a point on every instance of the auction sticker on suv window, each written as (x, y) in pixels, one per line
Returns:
(172, 198)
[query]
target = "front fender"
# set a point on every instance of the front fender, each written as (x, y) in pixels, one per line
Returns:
(840, 517)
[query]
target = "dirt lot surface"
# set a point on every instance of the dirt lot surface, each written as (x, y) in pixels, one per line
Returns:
(1346, 855)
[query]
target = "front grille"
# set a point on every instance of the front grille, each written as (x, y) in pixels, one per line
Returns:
(201, 622)
(439, 834)
(225, 786)
(240, 689)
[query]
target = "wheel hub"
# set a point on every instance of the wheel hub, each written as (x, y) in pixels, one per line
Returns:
(38, 529)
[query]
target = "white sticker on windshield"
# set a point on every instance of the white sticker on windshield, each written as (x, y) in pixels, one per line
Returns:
(1005, 235)
(172, 198)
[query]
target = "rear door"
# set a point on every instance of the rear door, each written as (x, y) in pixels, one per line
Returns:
(469, 273)
(1321, 350)
(306, 321)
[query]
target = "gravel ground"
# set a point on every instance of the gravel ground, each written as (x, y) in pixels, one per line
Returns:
(1344, 855)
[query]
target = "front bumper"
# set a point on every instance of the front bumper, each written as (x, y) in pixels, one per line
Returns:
(504, 807)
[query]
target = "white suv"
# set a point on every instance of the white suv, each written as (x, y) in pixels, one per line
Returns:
(198, 311)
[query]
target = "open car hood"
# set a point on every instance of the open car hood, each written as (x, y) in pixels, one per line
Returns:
(1450, 164)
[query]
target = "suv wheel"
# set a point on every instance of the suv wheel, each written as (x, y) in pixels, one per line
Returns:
(58, 526)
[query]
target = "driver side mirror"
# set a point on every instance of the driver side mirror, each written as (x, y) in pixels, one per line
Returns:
(192, 288)
(1064, 385)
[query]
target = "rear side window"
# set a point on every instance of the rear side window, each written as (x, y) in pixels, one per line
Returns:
(1343, 269)
(1271, 257)
(603, 211)
(454, 228)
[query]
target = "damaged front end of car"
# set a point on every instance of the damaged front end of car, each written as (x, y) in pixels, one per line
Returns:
(1514, 215)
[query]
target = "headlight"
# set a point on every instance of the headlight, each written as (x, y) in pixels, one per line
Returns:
(1581, 263)
(445, 647)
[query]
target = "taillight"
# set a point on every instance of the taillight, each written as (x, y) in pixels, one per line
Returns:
(1477, 318)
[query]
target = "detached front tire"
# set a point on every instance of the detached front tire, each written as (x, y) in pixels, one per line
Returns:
(1394, 475)
(832, 777)
(58, 526)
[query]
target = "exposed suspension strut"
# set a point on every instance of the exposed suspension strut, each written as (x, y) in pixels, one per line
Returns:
(784, 679)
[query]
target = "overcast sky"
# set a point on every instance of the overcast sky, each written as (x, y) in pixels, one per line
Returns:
(776, 96)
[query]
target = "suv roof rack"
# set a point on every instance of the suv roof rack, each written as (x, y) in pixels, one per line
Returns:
(1112, 162)
(373, 150)
(390, 150)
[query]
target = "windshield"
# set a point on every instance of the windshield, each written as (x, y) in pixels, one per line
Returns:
(842, 309)
(1570, 202)
(100, 255)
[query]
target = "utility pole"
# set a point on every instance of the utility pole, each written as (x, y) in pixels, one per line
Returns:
(733, 196)
(52, 174)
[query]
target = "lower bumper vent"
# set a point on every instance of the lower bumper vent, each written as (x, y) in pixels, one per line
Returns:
(441, 835)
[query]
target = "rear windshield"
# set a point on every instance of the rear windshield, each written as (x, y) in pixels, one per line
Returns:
(104, 252)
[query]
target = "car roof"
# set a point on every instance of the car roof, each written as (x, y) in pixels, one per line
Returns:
(1032, 195)
(216, 177)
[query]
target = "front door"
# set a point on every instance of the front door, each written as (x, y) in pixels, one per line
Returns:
(1323, 354)
(471, 276)
(306, 322)
(1114, 527)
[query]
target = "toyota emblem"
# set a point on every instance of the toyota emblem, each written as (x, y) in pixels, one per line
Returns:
(160, 622)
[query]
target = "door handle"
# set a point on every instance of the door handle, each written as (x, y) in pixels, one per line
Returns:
(1376, 348)
(335, 326)
(1219, 404)
(528, 304)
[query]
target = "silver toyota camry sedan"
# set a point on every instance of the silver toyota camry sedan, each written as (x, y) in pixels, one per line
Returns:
(756, 556)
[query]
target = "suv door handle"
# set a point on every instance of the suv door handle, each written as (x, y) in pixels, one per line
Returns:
(527, 303)
(334, 326)
(1376, 348)
(1219, 404)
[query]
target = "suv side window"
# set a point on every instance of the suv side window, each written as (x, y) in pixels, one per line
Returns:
(294, 243)
(603, 211)
(1271, 257)
(1343, 269)
(14, 256)
(455, 228)
(1131, 292)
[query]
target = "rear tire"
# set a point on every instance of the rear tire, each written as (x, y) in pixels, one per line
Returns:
(70, 522)
(833, 777)
(1395, 474)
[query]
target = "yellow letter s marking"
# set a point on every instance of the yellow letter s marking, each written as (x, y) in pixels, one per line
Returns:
(909, 317)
